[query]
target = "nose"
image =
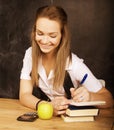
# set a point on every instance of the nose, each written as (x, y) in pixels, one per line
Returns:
(45, 39)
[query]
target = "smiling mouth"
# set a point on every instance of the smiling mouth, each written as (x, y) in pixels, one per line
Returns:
(45, 46)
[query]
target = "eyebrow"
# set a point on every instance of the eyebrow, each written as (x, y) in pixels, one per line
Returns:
(48, 33)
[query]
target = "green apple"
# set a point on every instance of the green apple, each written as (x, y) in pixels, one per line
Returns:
(45, 110)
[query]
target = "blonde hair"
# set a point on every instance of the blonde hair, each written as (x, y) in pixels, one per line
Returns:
(63, 51)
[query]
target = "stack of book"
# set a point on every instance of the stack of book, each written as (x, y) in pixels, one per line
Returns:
(82, 111)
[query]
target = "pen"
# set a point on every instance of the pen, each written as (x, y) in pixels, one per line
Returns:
(82, 81)
(84, 78)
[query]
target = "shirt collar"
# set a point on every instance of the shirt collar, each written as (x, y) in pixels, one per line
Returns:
(41, 71)
(68, 64)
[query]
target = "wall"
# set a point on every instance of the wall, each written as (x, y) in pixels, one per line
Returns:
(91, 25)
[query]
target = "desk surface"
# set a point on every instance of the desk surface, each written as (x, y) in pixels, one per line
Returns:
(10, 109)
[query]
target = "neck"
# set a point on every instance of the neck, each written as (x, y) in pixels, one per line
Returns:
(48, 62)
(49, 56)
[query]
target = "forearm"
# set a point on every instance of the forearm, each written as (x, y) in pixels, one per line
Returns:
(25, 94)
(29, 100)
(103, 95)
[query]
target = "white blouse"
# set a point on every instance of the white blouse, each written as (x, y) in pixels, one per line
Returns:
(77, 69)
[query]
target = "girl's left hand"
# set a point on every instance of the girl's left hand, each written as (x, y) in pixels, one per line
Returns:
(60, 104)
(80, 95)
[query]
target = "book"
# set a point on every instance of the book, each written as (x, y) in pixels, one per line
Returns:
(67, 118)
(89, 103)
(82, 110)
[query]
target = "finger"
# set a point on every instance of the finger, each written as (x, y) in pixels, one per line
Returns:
(79, 90)
(72, 90)
(83, 95)
(78, 97)
(61, 107)
(59, 112)
(61, 100)
(65, 102)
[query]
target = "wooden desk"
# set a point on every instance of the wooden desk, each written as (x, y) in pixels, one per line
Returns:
(10, 109)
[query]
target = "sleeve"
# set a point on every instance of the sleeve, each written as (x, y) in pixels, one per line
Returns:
(80, 69)
(27, 65)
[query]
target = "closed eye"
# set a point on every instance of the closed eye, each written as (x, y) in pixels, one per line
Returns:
(52, 36)
(39, 33)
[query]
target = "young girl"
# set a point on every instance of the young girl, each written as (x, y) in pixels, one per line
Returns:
(49, 66)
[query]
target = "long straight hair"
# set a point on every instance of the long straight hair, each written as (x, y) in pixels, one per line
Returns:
(55, 13)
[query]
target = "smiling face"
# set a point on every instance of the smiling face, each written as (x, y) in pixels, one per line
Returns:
(48, 34)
